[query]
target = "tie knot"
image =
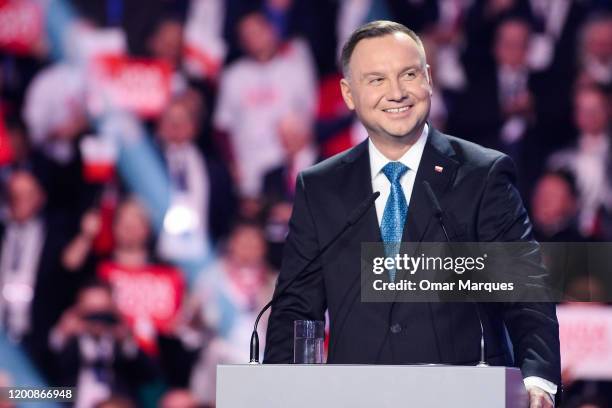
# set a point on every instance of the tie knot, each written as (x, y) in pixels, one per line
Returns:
(394, 170)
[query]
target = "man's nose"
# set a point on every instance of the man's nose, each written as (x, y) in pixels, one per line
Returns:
(396, 91)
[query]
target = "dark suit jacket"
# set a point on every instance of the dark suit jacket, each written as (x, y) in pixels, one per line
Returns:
(54, 291)
(476, 190)
(222, 202)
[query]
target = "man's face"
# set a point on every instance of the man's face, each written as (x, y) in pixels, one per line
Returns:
(26, 197)
(511, 44)
(257, 37)
(131, 227)
(553, 202)
(591, 112)
(389, 87)
(598, 40)
(177, 125)
(167, 42)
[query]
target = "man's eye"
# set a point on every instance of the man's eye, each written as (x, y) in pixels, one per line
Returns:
(410, 75)
(376, 81)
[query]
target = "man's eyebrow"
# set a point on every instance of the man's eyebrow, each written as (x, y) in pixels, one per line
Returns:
(408, 68)
(380, 74)
(373, 73)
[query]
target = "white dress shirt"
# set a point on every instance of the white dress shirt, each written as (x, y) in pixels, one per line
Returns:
(19, 261)
(380, 183)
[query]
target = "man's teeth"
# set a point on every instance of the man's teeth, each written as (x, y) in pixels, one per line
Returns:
(397, 110)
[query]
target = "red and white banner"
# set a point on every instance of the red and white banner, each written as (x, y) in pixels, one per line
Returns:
(585, 332)
(21, 26)
(148, 298)
(99, 157)
(138, 85)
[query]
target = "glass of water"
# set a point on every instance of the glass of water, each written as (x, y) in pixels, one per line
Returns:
(308, 336)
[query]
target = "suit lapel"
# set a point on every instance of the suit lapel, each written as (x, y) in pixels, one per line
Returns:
(355, 185)
(438, 168)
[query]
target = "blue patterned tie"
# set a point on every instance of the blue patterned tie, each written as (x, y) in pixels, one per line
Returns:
(396, 209)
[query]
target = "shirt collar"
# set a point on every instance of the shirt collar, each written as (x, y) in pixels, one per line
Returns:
(410, 159)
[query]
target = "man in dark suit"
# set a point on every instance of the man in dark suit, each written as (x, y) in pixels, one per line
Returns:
(387, 82)
(34, 289)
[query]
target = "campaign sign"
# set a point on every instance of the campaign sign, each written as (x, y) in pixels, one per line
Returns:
(138, 85)
(585, 332)
(148, 298)
(21, 26)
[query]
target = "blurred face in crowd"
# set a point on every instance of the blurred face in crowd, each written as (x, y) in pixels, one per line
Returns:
(553, 202)
(19, 143)
(591, 111)
(388, 85)
(178, 399)
(177, 124)
(294, 132)
(257, 37)
(131, 227)
(247, 246)
(511, 43)
(95, 306)
(597, 40)
(26, 196)
(167, 42)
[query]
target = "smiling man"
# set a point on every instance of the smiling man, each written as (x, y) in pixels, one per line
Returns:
(388, 84)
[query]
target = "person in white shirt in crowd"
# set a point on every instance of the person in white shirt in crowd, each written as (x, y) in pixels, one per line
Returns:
(254, 92)
(590, 161)
(227, 300)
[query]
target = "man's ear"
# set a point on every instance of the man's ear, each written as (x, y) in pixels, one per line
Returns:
(347, 94)
(429, 79)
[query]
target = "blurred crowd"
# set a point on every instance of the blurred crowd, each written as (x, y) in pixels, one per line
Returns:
(149, 150)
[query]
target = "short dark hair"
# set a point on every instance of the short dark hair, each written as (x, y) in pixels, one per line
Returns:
(378, 28)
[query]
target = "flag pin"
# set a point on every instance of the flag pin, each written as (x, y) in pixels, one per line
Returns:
(438, 169)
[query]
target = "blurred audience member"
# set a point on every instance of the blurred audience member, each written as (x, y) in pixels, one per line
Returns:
(33, 285)
(595, 51)
(554, 208)
(510, 108)
(56, 119)
(297, 139)
(227, 300)
(148, 293)
(54, 111)
(178, 398)
(254, 93)
(94, 349)
(200, 185)
(503, 96)
(590, 161)
(166, 44)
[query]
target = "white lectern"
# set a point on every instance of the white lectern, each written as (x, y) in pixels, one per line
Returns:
(371, 386)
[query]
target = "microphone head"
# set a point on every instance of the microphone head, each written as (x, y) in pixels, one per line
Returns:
(433, 199)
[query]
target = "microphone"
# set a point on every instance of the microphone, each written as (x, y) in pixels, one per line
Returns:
(353, 218)
(439, 215)
(436, 207)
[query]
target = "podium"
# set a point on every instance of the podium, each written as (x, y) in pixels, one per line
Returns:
(392, 386)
